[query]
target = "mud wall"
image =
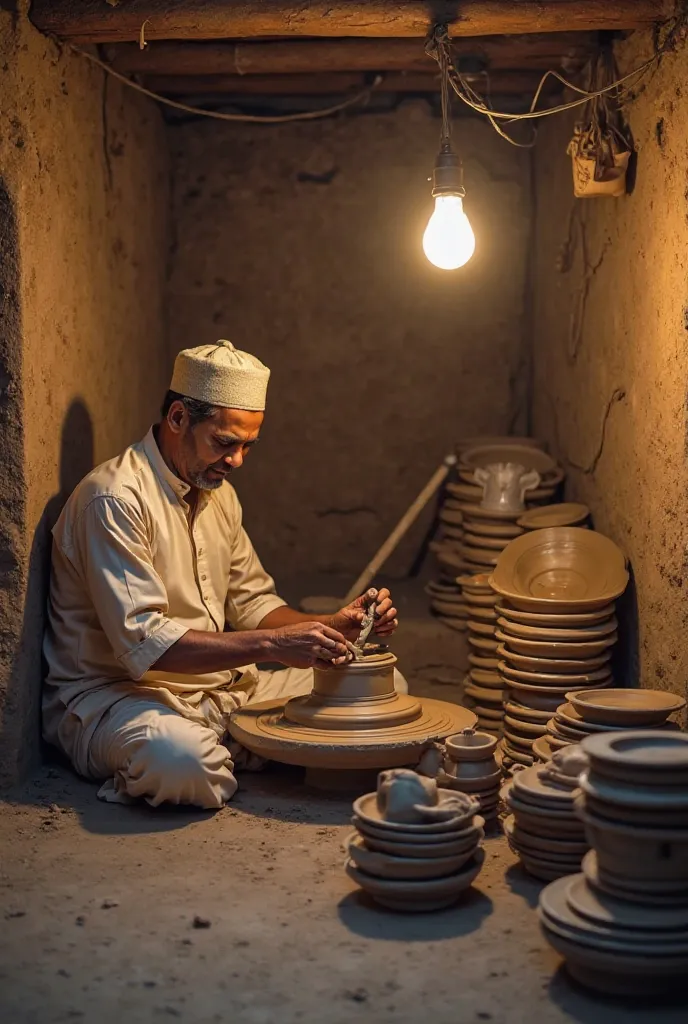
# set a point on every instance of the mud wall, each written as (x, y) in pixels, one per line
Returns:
(611, 358)
(301, 243)
(83, 358)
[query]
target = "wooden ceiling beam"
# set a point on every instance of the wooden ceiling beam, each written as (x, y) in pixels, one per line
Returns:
(334, 55)
(96, 21)
(503, 82)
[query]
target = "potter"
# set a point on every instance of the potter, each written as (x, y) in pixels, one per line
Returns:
(159, 605)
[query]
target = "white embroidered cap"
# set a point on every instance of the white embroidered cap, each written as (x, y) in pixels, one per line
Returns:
(221, 375)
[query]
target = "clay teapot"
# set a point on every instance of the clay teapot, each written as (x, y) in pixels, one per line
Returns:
(403, 795)
(504, 485)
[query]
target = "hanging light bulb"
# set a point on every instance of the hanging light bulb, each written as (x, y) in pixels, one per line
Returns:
(448, 241)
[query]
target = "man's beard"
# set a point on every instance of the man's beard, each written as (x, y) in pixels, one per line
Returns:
(204, 482)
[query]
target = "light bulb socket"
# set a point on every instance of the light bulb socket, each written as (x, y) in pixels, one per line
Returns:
(447, 175)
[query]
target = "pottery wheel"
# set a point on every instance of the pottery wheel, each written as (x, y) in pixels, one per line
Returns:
(353, 718)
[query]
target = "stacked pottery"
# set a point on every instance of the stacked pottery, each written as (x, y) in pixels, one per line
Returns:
(470, 767)
(416, 848)
(457, 516)
(556, 627)
(543, 828)
(622, 925)
(588, 712)
(483, 689)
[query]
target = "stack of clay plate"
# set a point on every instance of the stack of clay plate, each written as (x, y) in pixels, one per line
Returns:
(612, 710)
(622, 925)
(483, 685)
(470, 767)
(565, 513)
(556, 627)
(415, 867)
(447, 603)
(461, 495)
(543, 829)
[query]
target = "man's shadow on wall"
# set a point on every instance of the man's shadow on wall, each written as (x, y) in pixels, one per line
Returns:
(28, 668)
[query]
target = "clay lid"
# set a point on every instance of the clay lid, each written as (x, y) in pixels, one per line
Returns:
(620, 706)
(524, 455)
(566, 513)
(562, 566)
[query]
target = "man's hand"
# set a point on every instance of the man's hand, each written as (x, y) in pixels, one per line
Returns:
(348, 620)
(309, 645)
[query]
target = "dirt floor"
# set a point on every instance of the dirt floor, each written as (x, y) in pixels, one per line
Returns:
(130, 914)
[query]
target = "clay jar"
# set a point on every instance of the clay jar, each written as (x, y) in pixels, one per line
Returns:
(470, 759)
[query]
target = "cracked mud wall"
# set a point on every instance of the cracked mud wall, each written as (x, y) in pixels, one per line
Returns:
(83, 357)
(610, 359)
(302, 243)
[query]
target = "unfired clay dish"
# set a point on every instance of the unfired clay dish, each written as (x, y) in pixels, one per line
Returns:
(556, 619)
(553, 649)
(565, 513)
(386, 865)
(551, 634)
(481, 628)
(474, 540)
(491, 454)
(557, 679)
(367, 810)
(624, 707)
(642, 756)
(549, 665)
(496, 531)
(562, 567)
(418, 896)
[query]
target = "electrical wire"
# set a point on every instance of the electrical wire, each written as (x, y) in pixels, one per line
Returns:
(438, 45)
(218, 115)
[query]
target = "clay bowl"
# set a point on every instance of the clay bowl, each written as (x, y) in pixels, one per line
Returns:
(562, 568)
(494, 531)
(581, 652)
(624, 707)
(386, 865)
(565, 513)
(549, 665)
(639, 756)
(474, 540)
(480, 661)
(554, 679)
(634, 851)
(480, 600)
(550, 634)
(467, 443)
(543, 750)
(491, 454)
(484, 643)
(419, 895)
(557, 619)
(527, 714)
(470, 745)
(366, 810)
(486, 629)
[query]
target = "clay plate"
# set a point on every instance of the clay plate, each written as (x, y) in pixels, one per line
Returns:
(557, 619)
(386, 865)
(565, 513)
(483, 643)
(543, 749)
(496, 531)
(482, 628)
(624, 707)
(526, 714)
(478, 661)
(641, 756)
(554, 678)
(561, 568)
(550, 634)
(549, 665)
(526, 456)
(459, 625)
(419, 896)
(554, 649)
(467, 839)
(474, 540)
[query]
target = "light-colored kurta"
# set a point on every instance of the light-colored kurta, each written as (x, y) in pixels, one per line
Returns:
(129, 578)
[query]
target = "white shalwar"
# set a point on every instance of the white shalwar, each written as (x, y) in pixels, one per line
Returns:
(130, 576)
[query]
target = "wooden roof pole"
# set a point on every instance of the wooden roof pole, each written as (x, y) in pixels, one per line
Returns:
(94, 21)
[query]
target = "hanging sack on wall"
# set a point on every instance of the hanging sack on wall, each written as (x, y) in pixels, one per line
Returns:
(601, 147)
